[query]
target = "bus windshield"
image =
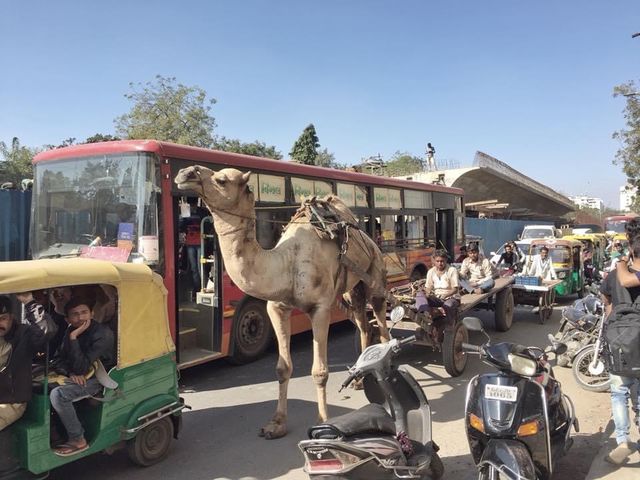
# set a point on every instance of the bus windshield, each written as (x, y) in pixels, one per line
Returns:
(104, 206)
(616, 226)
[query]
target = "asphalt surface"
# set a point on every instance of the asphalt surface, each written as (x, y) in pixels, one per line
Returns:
(230, 403)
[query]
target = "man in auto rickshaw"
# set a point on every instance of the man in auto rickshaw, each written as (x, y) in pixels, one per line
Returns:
(19, 343)
(85, 342)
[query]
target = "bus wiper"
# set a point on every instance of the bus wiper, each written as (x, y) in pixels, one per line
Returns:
(59, 255)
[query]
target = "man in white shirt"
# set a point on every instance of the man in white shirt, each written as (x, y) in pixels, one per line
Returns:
(476, 272)
(542, 266)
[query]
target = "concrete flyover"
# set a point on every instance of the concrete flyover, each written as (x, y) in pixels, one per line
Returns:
(493, 187)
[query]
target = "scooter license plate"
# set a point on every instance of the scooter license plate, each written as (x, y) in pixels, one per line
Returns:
(501, 393)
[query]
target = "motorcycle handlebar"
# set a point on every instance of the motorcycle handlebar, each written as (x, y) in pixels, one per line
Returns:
(347, 381)
(409, 339)
(471, 348)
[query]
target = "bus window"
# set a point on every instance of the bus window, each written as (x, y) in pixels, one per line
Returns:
(415, 231)
(269, 226)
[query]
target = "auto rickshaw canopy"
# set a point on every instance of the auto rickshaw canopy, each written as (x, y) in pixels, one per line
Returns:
(143, 326)
(559, 243)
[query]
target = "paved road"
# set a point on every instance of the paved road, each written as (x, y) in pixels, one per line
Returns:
(220, 441)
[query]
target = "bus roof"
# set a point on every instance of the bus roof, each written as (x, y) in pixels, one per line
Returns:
(173, 150)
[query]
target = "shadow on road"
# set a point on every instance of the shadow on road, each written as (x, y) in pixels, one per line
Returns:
(204, 452)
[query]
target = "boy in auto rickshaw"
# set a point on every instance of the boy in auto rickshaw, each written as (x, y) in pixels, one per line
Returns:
(136, 404)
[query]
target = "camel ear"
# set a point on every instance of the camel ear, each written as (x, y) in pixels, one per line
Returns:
(245, 178)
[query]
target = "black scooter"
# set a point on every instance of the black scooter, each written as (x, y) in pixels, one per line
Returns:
(390, 438)
(518, 421)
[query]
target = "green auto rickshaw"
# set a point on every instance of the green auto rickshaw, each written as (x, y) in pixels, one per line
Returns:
(566, 256)
(140, 406)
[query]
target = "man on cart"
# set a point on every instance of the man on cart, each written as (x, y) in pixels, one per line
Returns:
(441, 288)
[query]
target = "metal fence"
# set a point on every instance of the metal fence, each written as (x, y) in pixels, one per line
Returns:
(496, 232)
(15, 212)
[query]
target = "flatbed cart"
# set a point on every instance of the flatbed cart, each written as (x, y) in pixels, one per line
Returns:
(445, 335)
(541, 296)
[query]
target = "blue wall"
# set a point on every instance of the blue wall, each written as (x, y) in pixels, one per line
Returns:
(15, 211)
(495, 231)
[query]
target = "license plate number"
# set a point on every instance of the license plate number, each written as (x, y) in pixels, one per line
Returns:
(501, 393)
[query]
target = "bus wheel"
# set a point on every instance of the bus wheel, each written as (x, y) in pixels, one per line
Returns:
(251, 332)
(151, 444)
(417, 274)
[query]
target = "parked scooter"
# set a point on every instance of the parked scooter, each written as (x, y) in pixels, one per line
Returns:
(390, 438)
(518, 421)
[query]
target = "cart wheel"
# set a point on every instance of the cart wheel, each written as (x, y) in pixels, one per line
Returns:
(504, 310)
(453, 356)
(542, 307)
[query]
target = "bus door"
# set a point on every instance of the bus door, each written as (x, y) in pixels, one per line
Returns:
(445, 219)
(198, 286)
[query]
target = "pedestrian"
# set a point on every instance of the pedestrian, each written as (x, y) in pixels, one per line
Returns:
(431, 162)
(613, 293)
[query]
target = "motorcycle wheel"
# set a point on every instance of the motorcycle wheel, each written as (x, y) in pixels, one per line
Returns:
(436, 468)
(580, 368)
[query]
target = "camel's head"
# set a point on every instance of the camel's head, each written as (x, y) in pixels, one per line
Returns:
(223, 190)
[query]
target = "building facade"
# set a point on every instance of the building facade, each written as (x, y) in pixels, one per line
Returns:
(627, 195)
(583, 201)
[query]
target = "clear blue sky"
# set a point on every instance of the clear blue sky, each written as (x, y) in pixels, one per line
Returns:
(529, 83)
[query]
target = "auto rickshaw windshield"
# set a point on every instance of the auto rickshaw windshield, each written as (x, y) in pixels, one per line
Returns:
(143, 326)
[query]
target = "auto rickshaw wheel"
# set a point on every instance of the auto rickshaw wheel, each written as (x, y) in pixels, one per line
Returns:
(453, 356)
(151, 444)
(252, 333)
(504, 310)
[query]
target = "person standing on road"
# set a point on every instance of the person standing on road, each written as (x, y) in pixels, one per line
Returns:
(621, 386)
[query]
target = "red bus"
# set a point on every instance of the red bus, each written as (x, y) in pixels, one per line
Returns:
(617, 223)
(118, 201)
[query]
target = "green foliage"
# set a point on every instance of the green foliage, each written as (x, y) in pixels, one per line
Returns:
(168, 111)
(305, 149)
(628, 155)
(256, 148)
(16, 162)
(99, 137)
(403, 163)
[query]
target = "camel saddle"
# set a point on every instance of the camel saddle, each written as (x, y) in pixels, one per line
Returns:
(332, 220)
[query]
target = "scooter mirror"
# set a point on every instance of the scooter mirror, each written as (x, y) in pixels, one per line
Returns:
(560, 348)
(473, 323)
(397, 314)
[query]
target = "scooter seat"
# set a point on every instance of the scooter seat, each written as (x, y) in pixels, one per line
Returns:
(372, 418)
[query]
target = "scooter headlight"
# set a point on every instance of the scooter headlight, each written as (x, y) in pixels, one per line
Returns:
(522, 365)
(397, 313)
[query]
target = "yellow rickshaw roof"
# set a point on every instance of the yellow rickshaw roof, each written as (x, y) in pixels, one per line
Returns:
(557, 242)
(143, 326)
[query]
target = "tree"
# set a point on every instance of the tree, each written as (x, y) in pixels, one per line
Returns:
(164, 110)
(305, 149)
(256, 148)
(99, 137)
(403, 163)
(16, 162)
(629, 153)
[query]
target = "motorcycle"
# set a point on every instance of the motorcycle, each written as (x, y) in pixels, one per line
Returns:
(578, 327)
(390, 438)
(518, 421)
(589, 369)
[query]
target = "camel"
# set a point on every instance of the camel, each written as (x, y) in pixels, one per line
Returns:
(301, 271)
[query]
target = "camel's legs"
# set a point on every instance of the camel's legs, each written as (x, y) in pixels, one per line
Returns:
(358, 305)
(320, 320)
(279, 315)
(379, 305)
